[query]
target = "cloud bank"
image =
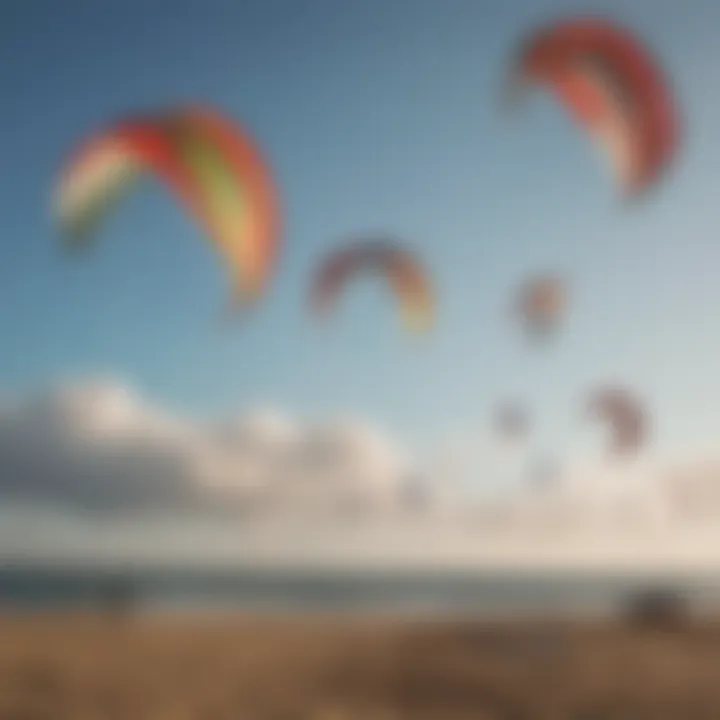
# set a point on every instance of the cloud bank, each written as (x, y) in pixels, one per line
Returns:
(99, 446)
(94, 470)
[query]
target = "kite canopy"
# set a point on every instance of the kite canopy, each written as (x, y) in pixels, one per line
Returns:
(541, 304)
(624, 414)
(400, 268)
(511, 421)
(613, 86)
(212, 166)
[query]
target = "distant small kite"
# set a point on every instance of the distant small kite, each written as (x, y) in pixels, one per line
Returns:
(540, 304)
(511, 421)
(625, 415)
(388, 258)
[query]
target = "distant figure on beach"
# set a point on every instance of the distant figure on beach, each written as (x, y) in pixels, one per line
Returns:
(657, 608)
(117, 595)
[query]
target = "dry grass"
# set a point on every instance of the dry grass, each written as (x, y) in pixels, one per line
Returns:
(75, 668)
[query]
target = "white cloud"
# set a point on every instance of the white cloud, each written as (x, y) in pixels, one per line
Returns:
(93, 470)
(99, 446)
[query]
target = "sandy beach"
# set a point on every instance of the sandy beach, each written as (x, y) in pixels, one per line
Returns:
(231, 668)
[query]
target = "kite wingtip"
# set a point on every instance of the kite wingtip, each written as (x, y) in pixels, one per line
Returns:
(237, 309)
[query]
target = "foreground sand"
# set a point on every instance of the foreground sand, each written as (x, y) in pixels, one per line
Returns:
(235, 669)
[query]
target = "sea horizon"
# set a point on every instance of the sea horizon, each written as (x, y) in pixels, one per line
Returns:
(39, 586)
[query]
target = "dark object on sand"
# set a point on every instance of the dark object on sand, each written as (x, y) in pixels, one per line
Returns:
(657, 608)
(117, 595)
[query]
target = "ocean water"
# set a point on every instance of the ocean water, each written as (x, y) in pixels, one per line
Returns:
(34, 588)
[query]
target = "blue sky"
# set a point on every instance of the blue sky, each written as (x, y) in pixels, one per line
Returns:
(377, 115)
